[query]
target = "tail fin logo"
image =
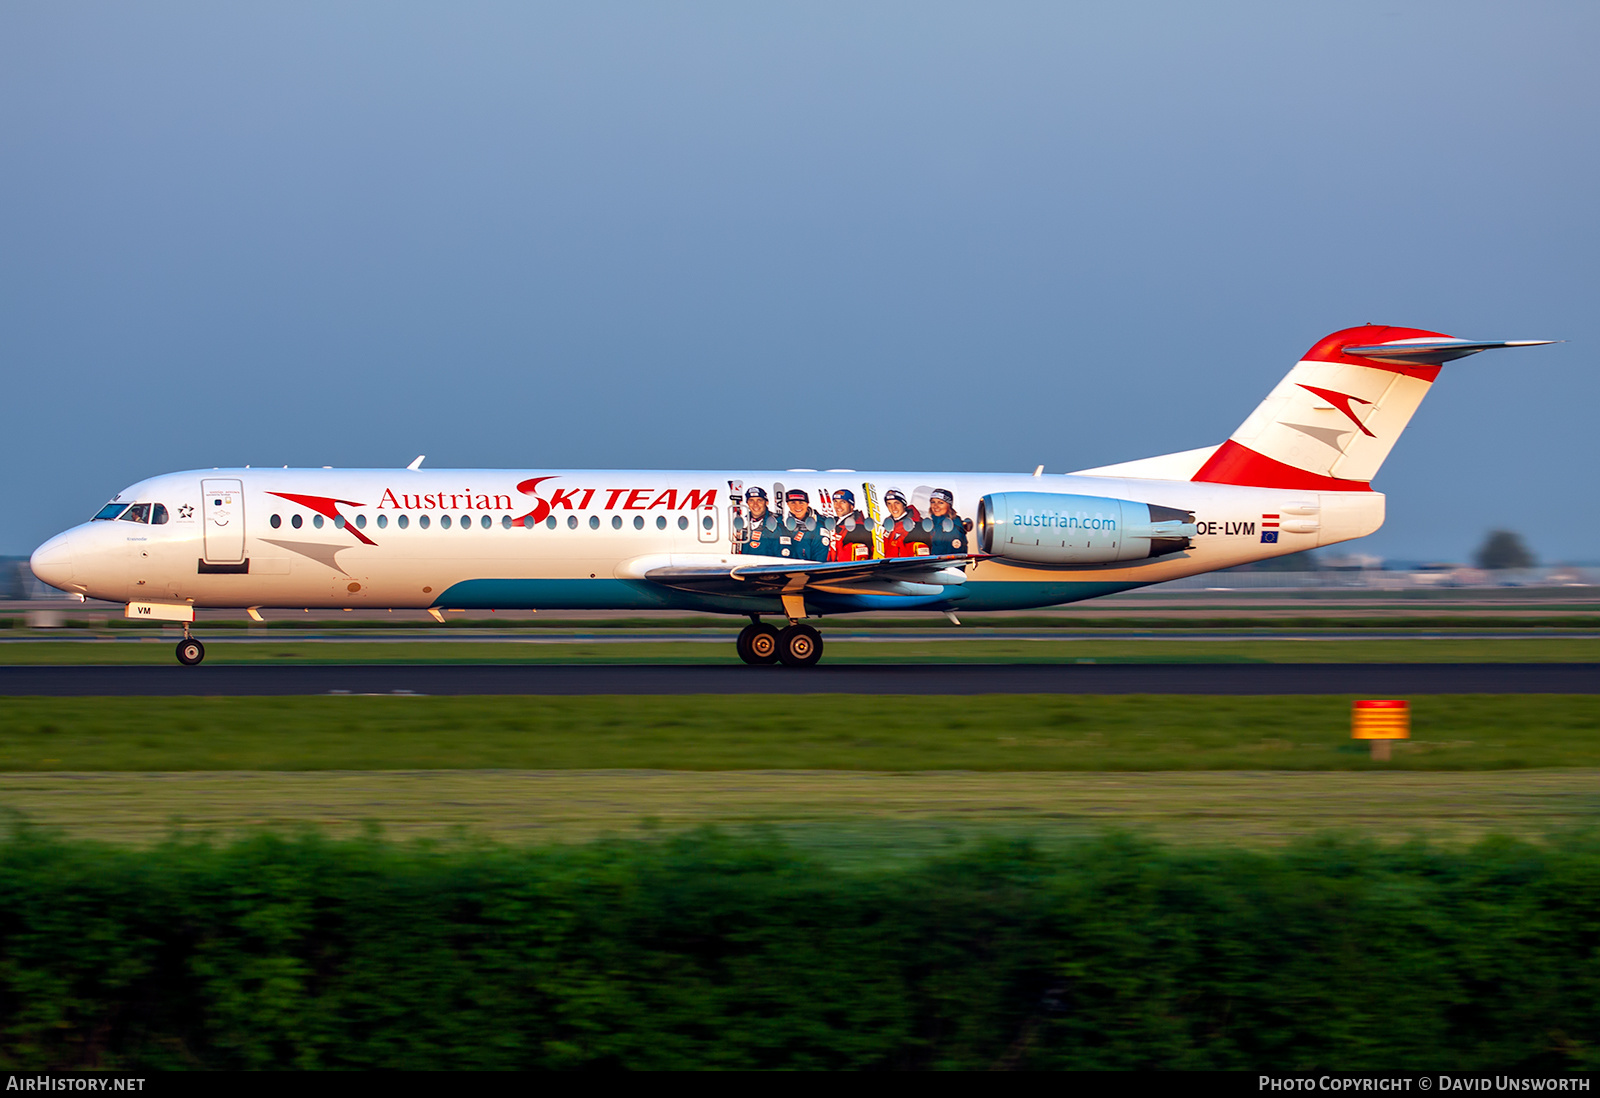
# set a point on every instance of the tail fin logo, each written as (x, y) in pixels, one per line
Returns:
(1342, 401)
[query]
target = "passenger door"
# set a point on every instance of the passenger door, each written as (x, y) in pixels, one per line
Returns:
(223, 506)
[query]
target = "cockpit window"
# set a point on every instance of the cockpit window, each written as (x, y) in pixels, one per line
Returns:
(109, 512)
(158, 514)
(139, 512)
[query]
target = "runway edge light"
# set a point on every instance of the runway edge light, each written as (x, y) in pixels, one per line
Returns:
(1382, 722)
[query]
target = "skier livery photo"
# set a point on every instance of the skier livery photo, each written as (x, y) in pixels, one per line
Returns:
(787, 522)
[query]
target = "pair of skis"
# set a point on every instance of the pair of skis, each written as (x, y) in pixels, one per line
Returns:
(738, 527)
(874, 519)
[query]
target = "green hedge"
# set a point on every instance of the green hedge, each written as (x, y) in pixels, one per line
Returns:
(715, 951)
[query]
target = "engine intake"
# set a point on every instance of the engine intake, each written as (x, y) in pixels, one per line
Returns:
(1052, 528)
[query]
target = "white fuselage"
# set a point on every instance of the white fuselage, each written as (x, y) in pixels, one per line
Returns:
(504, 539)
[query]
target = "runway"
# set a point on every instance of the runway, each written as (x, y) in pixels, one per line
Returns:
(1373, 680)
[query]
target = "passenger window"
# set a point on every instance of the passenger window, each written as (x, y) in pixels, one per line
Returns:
(638, 522)
(423, 520)
(487, 522)
(276, 521)
(550, 522)
(158, 515)
(361, 522)
(316, 520)
(139, 512)
(683, 522)
(383, 521)
(616, 522)
(338, 522)
(466, 522)
(403, 521)
(505, 521)
(296, 521)
(706, 523)
(444, 522)
(572, 522)
(594, 521)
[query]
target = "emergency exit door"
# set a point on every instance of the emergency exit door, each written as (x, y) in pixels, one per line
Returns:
(705, 522)
(223, 507)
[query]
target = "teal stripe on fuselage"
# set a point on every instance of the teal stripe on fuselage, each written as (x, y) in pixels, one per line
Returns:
(615, 594)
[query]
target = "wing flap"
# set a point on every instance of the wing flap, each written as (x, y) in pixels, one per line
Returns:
(907, 576)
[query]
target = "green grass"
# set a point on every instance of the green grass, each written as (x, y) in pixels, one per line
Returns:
(847, 817)
(818, 732)
(839, 650)
(706, 951)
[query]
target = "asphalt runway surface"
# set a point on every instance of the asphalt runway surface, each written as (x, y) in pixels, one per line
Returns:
(1373, 680)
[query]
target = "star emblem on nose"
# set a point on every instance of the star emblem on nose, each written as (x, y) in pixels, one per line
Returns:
(186, 511)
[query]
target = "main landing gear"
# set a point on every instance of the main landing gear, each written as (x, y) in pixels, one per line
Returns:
(190, 651)
(797, 646)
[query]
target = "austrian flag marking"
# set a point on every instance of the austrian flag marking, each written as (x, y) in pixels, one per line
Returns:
(1269, 529)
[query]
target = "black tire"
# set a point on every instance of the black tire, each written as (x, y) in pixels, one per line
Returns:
(799, 646)
(758, 644)
(190, 652)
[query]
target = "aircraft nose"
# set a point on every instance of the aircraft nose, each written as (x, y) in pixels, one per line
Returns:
(52, 562)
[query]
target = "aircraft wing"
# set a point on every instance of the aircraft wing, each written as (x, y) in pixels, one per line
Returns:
(904, 576)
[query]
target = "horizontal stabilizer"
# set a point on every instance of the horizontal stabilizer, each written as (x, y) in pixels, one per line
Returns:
(1432, 352)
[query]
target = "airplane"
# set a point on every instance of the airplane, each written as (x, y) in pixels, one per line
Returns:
(792, 544)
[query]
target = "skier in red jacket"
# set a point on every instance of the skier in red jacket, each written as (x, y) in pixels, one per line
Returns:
(852, 537)
(903, 535)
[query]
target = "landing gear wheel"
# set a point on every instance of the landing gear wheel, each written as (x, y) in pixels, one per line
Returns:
(758, 644)
(799, 646)
(190, 651)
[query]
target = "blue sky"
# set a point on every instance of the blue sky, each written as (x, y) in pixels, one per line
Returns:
(925, 236)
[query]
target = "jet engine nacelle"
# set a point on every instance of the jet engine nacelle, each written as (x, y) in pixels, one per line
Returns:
(1051, 528)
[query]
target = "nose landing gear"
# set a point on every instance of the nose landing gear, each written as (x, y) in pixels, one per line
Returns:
(190, 651)
(797, 646)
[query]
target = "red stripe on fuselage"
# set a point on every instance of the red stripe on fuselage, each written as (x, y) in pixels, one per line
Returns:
(1235, 464)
